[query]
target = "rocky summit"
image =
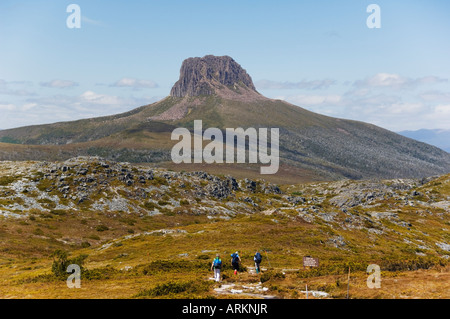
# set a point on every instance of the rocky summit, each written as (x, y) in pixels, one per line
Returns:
(212, 75)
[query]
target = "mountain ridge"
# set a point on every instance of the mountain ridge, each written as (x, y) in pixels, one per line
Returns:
(437, 137)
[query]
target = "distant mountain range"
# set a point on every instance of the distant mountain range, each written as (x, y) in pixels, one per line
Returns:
(218, 91)
(438, 137)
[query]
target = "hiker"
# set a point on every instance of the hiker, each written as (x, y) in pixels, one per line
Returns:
(257, 258)
(216, 265)
(235, 260)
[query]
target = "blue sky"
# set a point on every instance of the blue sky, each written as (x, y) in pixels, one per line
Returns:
(319, 55)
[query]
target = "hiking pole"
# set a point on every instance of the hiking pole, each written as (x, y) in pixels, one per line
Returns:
(268, 258)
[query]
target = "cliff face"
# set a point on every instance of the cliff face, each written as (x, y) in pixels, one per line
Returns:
(211, 75)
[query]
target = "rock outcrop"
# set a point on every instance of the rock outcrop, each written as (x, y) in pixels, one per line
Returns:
(211, 75)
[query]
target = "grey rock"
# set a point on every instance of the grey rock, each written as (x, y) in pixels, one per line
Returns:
(296, 200)
(208, 75)
(443, 246)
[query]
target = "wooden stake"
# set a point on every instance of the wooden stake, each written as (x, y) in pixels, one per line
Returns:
(268, 258)
(348, 281)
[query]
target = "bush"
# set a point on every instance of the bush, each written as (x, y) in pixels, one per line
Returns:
(332, 269)
(272, 275)
(412, 264)
(94, 237)
(6, 180)
(174, 265)
(101, 228)
(85, 244)
(99, 273)
(150, 205)
(58, 212)
(174, 287)
(61, 262)
(157, 180)
(184, 202)
(38, 232)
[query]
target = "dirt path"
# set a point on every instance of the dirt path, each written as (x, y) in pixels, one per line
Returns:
(244, 290)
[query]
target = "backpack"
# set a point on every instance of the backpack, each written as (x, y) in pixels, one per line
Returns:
(258, 258)
(217, 263)
(235, 258)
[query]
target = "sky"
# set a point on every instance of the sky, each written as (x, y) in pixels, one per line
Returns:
(319, 55)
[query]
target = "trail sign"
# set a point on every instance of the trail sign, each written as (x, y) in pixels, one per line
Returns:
(310, 262)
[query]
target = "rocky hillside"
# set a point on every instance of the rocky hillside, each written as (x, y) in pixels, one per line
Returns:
(404, 210)
(151, 233)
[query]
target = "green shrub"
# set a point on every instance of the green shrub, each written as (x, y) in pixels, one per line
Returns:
(184, 202)
(157, 180)
(38, 232)
(58, 212)
(150, 205)
(61, 262)
(128, 221)
(175, 287)
(162, 202)
(102, 273)
(174, 265)
(101, 228)
(85, 244)
(272, 275)
(6, 180)
(412, 264)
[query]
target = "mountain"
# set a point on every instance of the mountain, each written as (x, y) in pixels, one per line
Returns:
(437, 137)
(218, 91)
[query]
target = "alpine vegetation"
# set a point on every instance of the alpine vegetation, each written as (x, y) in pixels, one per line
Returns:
(235, 146)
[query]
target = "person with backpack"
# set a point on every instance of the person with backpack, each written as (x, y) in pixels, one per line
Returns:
(216, 265)
(235, 260)
(257, 258)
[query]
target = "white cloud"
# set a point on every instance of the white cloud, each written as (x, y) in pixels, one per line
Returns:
(15, 88)
(304, 84)
(59, 84)
(435, 96)
(308, 100)
(396, 81)
(135, 83)
(56, 108)
(28, 106)
(100, 99)
(382, 80)
(405, 108)
(7, 107)
(443, 110)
